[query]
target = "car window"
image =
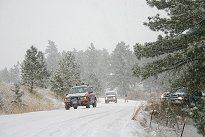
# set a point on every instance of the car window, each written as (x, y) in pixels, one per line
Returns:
(181, 91)
(110, 93)
(78, 90)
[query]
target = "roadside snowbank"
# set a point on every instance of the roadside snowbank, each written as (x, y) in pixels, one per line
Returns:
(143, 117)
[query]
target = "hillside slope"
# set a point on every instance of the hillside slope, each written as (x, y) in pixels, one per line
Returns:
(41, 99)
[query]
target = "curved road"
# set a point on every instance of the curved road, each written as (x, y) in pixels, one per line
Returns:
(106, 120)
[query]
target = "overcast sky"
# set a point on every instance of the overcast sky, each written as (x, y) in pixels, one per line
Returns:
(70, 24)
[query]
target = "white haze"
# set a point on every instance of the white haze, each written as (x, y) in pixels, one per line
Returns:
(70, 24)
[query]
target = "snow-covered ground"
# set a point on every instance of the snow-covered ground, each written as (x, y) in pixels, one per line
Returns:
(106, 120)
(156, 130)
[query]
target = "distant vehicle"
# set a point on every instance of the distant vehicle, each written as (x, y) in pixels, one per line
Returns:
(166, 96)
(110, 96)
(80, 96)
(180, 96)
(203, 93)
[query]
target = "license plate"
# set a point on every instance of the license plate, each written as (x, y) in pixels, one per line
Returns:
(74, 101)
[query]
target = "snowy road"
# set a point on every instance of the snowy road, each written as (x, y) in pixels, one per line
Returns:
(107, 120)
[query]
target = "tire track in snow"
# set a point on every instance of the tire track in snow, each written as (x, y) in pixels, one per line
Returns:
(60, 126)
(107, 120)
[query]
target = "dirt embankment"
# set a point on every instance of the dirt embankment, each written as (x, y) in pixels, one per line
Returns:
(39, 100)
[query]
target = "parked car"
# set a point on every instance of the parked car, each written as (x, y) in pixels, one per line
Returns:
(203, 93)
(180, 96)
(110, 96)
(166, 96)
(80, 96)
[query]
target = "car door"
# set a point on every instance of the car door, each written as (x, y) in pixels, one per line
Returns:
(91, 95)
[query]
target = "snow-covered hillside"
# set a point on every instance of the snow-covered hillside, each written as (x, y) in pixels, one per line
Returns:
(41, 99)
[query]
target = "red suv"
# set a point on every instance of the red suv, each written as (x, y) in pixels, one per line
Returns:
(80, 96)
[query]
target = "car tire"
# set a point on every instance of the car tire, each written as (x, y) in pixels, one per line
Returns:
(75, 107)
(88, 105)
(67, 107)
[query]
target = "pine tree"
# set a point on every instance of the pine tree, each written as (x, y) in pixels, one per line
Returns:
(57, 84)
(18, 94)
(42, 72)
(94, 82)
(122, 62)
(52, 56)
(4, 75)
(14, 74)
(91, 59)
(66, 75)
(33, 69)
(181, 50)
(102, 68)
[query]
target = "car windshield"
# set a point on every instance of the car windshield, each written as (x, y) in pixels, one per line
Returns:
(110, 93)
(78, 90)
(181, 91)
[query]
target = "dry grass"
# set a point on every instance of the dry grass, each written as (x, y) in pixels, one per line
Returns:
(40, 100)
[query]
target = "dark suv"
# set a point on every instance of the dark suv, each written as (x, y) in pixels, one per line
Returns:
(80, 96)
(180, 96)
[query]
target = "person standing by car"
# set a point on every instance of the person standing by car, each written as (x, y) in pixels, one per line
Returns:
(126, 98)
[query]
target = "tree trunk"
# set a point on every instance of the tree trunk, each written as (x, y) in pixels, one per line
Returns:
(150, 123)
(31, 87)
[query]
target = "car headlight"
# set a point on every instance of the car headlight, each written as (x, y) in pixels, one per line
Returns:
(162, 96)
(67, 99)
(113, 97)
(180, 98)
(84, 97)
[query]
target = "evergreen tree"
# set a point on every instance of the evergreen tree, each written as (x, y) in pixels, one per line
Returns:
(53, 56)
(181, 51)
(4, 75)
(88, 62)
(57, 83)
(122, 62)
(81, 59)
(66, 75)
(33, 69)
(95, 83)
(14, 74)
(91, 56)
(42, 72)
(102, 68)
(18, 94)
(94, 62)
